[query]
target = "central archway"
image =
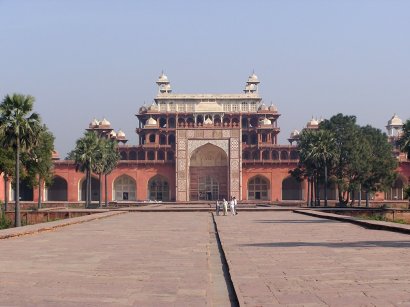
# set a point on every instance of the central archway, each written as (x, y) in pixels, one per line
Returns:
(208, 173)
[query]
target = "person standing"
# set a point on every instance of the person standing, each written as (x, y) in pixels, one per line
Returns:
(217, 207)
(225, 203)
(232, 205)
(235, 205)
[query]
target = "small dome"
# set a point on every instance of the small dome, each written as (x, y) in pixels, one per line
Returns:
(120, 134)
(94, 123)
(273, 108)
(312, 122)
(265, 121)
(263, 107)
(208, 121)
(253, 78)
(151, 122)
(294, 133)
(153, 107)
(113, 134)
(395, 121)
(143, 109)
(163, 78)
(105, 122)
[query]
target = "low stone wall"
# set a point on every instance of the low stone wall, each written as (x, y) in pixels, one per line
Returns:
(36, 217)
(391, 215)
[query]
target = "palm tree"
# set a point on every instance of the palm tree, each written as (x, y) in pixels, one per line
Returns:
(316, 150)
(323, 151)
(111, 160)
(19, 129)
(84, 156)
(39, 162)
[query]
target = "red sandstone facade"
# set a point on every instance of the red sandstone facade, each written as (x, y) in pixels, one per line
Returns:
(196, 147)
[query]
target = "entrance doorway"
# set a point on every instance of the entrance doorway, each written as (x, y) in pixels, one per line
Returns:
(208, 173)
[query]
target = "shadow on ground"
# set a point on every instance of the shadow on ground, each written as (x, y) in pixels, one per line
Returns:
(296, 221)
(359, 244)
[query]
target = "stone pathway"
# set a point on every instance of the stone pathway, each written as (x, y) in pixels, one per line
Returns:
(133, 259)
(172, 259)
(289, 259)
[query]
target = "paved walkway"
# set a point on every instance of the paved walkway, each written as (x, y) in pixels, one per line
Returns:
(285, 258)
(169, 259)
(141, 259)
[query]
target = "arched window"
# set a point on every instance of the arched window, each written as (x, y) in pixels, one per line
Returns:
(265, 155)
(151, 155)
(217, 120)
(171, 139)
(170, 156)
(245, 138)
(158, 189)
(57, 191)
(123, 155)
(284, 155)
(161, 155)
(171, 122)
(245, 106)
(133, 155)
(124, 188)
(255, 155)
(275, 155)
(95, 189)
(258, 188)
(163, 122)
(254, 139)
(235, 122)
(294, 155)
(152, 138)
(141, 155)
(244, 122)
(291, 189)
(162, 139)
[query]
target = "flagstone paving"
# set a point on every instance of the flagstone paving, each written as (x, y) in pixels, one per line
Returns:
(149, 259)
(170, 259)
(285, 258)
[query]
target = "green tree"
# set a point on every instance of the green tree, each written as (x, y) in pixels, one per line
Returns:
(19, 129)
(39, 162)
(7, 168)
(350, 152)
(380, 163)
(84, 156)
(404, 141)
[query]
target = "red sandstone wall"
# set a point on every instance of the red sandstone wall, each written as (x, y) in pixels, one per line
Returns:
(274, 173)
(141, 173)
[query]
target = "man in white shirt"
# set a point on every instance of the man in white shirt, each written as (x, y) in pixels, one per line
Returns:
(232, 204)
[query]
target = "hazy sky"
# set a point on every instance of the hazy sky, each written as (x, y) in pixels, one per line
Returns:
(86, 59)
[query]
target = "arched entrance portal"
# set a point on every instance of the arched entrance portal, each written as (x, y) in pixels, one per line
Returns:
(258, 188)
(57, 191)
(158, 189)
(292, 189)
(124, 188)
(95, 189)
(208, 173)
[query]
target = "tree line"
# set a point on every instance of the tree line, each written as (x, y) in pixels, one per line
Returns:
(355, 158)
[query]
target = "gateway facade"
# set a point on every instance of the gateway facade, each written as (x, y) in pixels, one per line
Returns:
(202, 147)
